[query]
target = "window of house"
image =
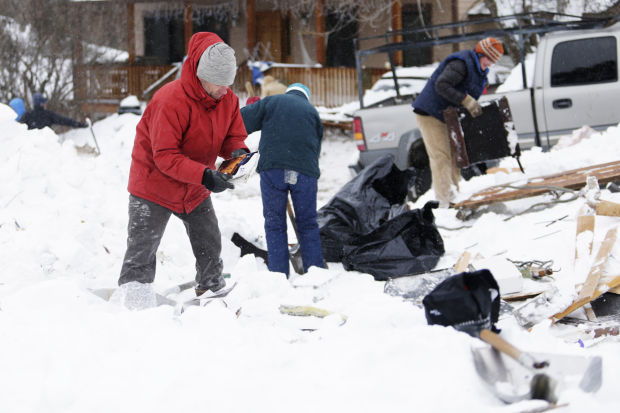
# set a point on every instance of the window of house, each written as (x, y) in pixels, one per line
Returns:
(412, 19)
(585, 61)
(164, 33)
(163, 38)
(340, 49)
(213, 23)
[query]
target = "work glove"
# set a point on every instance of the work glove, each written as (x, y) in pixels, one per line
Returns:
(216, 181)
(472, 106)
(238, 152)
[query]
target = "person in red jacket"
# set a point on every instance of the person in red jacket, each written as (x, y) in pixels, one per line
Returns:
(187, 124)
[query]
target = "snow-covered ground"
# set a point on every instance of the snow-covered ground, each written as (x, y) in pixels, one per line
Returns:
(63, 217)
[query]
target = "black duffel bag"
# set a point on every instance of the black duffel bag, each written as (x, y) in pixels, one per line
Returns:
(468, 301)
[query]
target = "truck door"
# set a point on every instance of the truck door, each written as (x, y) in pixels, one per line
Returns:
(581, 83)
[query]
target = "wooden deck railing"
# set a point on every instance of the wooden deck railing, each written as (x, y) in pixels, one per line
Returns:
(330, 87)
(116, 82)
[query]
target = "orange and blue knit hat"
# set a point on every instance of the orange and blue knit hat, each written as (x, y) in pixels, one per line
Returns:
(491, 48)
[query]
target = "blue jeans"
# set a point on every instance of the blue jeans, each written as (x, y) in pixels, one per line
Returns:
(275, 184)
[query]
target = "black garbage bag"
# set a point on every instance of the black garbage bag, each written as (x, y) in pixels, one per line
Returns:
(409, 243)
(468, 301)
(373, 197)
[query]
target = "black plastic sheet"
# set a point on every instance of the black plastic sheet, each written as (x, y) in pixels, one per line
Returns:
(366, 225)
(407, 244)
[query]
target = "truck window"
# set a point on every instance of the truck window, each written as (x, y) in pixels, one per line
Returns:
(583, 62)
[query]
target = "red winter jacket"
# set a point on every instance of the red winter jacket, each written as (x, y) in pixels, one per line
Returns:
(182, 131)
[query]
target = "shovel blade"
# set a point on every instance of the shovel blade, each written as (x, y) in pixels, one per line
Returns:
(506, 384)
(511, 382)
(295, 257)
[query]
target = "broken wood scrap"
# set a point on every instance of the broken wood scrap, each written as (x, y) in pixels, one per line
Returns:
(589, 312)
(523, 295)
(462, 262)
(592, 287)
(604, 285)
(608, 208)
(589, 333)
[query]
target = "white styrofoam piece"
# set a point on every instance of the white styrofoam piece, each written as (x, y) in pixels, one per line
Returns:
(506, 273)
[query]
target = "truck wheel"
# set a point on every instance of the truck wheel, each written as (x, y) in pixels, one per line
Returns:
(417, 158)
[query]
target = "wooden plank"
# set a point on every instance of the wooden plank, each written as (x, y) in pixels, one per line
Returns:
(340, 125)
(572, 179)
(589, 287)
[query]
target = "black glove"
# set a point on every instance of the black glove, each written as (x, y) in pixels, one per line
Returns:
(83, 125)
(216, 181)
(239, 152)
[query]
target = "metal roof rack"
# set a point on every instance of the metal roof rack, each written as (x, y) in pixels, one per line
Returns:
(519, 25)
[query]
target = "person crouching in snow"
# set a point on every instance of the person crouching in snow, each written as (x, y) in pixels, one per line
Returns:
(458, 81)
(187, 124)
(289, 147)
(39, 117)
(17, 104)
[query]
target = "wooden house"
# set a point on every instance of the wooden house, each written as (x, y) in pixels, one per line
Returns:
(310, 39)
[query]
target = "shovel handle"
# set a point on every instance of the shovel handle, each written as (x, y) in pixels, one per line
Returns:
(501, 345)
(291, 215)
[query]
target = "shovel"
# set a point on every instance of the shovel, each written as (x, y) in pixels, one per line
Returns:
(512, 381)
(512, 374)
(294, 251)
(90, 126)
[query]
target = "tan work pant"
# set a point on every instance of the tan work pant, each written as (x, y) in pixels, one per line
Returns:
(444, 172)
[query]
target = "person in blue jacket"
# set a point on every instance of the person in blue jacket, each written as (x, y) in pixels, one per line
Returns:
(17, 104)
(39, 117)
(290, 145)
(459, 80)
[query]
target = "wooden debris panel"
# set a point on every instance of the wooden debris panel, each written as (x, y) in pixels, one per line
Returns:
(482, 138)
(573, 179)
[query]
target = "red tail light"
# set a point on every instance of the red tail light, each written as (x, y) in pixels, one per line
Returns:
(358, 134)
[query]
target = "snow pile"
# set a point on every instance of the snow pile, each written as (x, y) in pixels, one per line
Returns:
(63, 217)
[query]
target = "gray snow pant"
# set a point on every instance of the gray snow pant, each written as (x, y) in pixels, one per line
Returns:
(147, 222)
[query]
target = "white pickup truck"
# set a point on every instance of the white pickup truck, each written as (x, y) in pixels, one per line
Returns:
(574, 82)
